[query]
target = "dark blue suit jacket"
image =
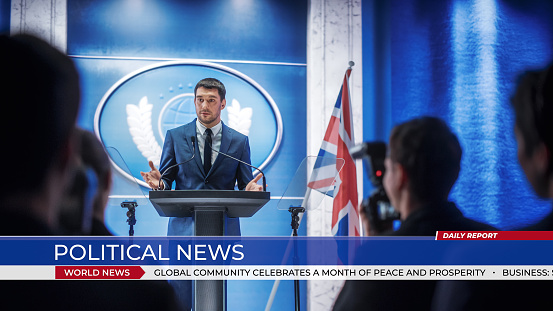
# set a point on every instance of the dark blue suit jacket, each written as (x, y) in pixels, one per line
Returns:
(225, 173)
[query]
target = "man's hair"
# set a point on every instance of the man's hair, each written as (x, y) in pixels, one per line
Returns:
(430, 154)
(212, 83)
(40, 99)
(533, 106)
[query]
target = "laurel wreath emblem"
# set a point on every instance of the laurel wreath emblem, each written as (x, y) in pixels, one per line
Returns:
(239, 119)
(139, 120)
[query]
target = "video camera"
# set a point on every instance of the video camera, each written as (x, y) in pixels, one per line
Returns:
(377, 206)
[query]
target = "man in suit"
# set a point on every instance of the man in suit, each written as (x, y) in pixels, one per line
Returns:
(208, 169)
(202, 139)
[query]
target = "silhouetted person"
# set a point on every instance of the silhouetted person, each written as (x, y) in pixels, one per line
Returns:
(86, 197)
(533, 107)
(423, 163)
(40, 98)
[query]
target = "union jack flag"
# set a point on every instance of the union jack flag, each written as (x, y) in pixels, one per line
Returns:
(336, 144)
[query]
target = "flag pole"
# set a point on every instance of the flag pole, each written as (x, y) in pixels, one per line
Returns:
(276, 283)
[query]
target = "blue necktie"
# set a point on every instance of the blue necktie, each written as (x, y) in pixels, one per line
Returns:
(207, 151)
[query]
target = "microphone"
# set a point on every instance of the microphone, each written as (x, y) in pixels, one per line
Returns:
(193, 139)
(235, 159)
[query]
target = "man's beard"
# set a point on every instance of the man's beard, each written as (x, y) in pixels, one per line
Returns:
(208, 119)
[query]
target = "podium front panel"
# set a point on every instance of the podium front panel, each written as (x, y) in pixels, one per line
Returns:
(208, 207)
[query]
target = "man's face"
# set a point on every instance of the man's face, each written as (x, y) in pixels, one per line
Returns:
(208, 106)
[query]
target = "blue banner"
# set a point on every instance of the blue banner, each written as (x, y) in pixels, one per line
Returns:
(269, 251)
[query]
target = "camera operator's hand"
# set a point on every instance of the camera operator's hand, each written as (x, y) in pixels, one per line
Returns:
(371, 229)
(364, 221)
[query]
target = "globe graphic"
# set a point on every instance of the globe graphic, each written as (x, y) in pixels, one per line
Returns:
(178, 111)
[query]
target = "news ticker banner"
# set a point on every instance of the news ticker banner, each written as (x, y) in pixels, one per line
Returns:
(458, 255)
(264, 272)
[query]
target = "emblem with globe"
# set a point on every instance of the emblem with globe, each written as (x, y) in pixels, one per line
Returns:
(149, 113)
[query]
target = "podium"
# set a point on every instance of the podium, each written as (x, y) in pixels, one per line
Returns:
(208, 207)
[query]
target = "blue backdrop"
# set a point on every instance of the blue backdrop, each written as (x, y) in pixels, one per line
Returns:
(265, 41)
(459, 60)
(5, 13)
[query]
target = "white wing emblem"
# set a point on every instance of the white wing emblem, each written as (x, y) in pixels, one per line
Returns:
(240, 119)
(139, 119)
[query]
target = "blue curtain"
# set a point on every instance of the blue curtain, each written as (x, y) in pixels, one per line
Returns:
(5, 12)
(459, 60)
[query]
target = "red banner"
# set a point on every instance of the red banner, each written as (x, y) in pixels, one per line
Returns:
(99, 272)
(494, 235)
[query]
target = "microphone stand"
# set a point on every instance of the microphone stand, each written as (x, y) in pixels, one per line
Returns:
(193, 139)
(294, 211)
(235, 159)
(131, 219)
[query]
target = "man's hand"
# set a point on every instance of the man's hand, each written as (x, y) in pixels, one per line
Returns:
(152, 177)
(253, 186)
